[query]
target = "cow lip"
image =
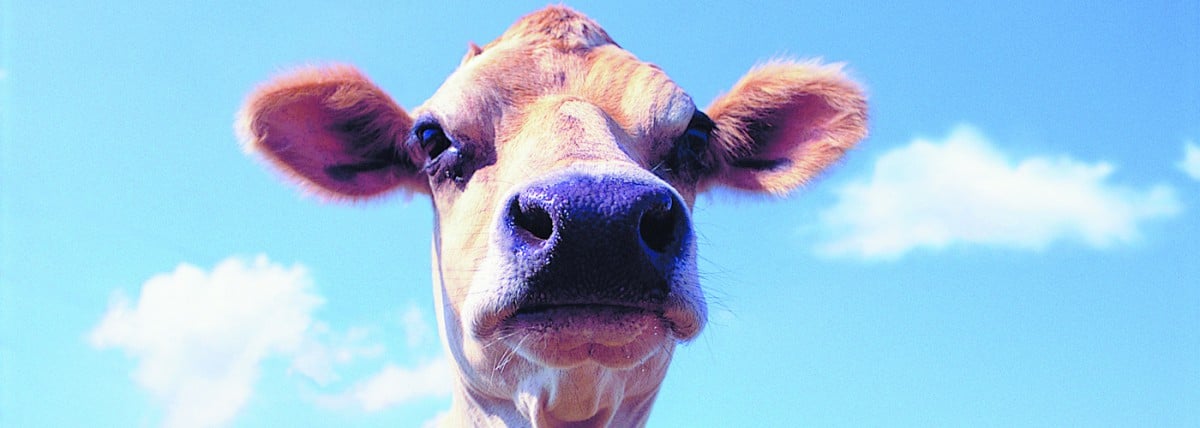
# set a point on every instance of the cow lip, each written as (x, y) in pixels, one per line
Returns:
(507, 316)
(565, 335)
(580, 307)
(682, 321)
(546, 313)
(519, 317)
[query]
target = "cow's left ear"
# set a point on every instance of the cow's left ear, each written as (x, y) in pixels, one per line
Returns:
(782, 124)
(332, 131)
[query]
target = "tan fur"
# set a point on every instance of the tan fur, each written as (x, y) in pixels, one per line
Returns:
(552, 99)
(559, 28)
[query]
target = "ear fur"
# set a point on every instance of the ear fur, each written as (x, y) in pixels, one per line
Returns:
(783, 123)
(333, 131)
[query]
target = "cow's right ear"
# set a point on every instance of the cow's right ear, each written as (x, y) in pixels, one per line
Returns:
(333, 131)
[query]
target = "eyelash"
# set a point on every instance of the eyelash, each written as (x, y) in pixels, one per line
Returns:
(432, 139)
(444, 158)
(689, 156)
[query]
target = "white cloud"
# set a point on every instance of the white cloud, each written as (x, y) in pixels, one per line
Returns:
(199, 337)
(395, 385)
(962, 190)
(1190, 164)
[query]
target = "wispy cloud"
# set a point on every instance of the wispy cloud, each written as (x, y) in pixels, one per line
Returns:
(324, 349)
(199, 337)
(394, 385)
(962, 190)
(1190, 164)
(416, 330)
(436, 421)
(397, 385)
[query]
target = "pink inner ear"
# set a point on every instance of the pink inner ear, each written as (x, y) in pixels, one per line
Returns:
(297, 136)
(800, 131)
(783, 123)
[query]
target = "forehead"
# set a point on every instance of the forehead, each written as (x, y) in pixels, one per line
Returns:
(558, 53)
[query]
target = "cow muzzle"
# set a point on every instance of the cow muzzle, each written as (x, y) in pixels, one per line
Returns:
(601, 268)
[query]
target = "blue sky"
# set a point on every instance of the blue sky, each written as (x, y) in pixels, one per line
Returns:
(1014, 245)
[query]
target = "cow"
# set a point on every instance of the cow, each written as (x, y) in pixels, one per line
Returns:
(562, 172)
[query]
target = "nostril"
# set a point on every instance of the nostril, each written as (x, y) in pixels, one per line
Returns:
(531, 217)
(658, 226)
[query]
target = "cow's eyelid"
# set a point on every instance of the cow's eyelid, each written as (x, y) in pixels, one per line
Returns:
(701, 122)
(432, 138)
(689, 156)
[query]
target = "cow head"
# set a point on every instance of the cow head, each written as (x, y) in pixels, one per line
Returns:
(562, 172)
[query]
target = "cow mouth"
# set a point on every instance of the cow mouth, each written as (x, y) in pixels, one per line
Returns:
(567, 335)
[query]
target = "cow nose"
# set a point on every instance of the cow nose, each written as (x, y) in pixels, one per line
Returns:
(587, 239)
(603, 210)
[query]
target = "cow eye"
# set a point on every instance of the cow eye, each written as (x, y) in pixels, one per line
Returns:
(689, 156)
(445, 159)
(695, 140)
(432, 139)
